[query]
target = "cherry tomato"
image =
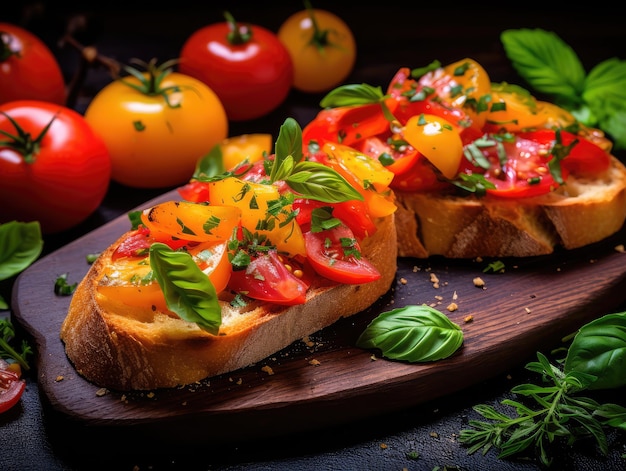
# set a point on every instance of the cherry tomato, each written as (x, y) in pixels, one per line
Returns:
(335, 254)
(157, 128)
(28, 68)
(59, 182)
(322, 49)
(247, 66)
(11, 387)
(267, 279)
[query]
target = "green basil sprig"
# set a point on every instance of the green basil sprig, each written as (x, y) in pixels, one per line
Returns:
(555, 409)
(188, 291)
(309, 179)
(413, 334)
(321, 183)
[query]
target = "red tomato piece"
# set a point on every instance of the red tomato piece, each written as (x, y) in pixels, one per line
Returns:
(524, 172)
(194, 191)
(415, 99)
(138, 243)
(335, 254)
(28, 68)
(584, 158)
(11, 389)
(404, 157)
(251, 72)
(268, 279)
(345, 125)
(352, 213)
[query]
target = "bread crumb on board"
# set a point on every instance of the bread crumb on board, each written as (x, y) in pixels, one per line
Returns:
(479, 282)
(620, 248)
(268, 370)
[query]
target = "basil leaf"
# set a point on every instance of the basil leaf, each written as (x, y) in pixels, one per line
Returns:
(599, 349)
(211, 164)
(606, 84)
(605, 96)
(352, 94)
(316, 181)
(188, 291)
(547, 63)
(413, 334)
(20, 245)
(288, 150)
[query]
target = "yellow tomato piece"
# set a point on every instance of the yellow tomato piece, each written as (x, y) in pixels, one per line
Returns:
(250, 147)
(554, 116)
(513, 108)
(191, 221)
(380, 205)
(437, 140)
(212, 259)
(367, 175)
(470, 81)
(130, 280)
(370, 171)
(471, 77)
(254, 201)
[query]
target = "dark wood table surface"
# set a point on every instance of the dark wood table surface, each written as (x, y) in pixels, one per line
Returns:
(34, 436)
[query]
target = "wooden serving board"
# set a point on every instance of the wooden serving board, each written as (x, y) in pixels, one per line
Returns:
(526, 309)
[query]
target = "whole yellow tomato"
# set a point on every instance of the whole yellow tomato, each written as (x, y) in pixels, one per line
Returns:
(157, 125)
(322, 49)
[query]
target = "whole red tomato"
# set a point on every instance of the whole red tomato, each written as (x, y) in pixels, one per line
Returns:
(28, 69)
(53, 167)
(247, 66)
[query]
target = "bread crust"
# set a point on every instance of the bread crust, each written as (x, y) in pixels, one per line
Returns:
(124, 347)
(581, 212)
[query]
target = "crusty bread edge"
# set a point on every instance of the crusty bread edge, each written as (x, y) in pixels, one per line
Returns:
(111, 352)
(582, 212)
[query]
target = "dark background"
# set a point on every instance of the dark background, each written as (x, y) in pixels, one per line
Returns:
(389, 36)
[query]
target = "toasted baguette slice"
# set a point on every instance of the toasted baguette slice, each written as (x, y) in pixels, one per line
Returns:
(123, 347)
(581, 212)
